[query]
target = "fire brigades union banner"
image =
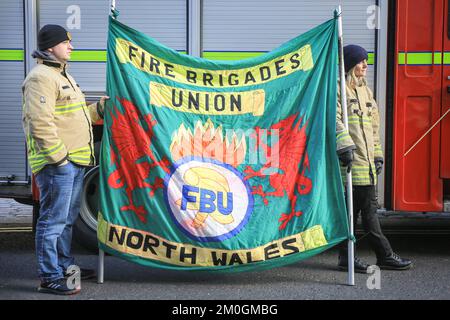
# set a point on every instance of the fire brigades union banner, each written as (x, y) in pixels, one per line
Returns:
(218, 165)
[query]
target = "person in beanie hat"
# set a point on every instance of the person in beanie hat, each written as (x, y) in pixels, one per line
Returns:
(58, 130)
(51, 35)
(360, 148)
(353, 55)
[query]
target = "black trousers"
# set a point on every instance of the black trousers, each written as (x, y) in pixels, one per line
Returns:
(364, 201)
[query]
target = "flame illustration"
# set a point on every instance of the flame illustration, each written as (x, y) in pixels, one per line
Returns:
(208, 142)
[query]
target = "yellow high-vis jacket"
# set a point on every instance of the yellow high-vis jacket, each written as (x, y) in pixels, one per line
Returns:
(56, 121)
(363, 132)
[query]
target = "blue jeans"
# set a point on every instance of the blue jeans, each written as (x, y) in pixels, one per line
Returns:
(60, 190)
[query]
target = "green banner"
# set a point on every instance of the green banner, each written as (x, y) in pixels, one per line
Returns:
(220, 165)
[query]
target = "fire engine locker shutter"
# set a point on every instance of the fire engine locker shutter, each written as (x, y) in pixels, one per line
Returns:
(87, 21)
(12, 141)
(236, 29)
(417, 106)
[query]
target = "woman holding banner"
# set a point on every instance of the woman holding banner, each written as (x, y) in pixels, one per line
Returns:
(359, 149)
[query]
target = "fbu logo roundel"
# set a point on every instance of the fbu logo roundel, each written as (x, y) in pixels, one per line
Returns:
(209, 200)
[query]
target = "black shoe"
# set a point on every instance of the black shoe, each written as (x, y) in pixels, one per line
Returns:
(58, 286)
(394, 262)
(85, 274)
(360, 266)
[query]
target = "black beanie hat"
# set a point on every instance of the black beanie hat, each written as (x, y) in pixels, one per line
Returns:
(353, 55)
(50, 35)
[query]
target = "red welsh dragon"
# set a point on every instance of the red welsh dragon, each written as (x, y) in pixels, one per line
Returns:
(291, 149)
(133, 143)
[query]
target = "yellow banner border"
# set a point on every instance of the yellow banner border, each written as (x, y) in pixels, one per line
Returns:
(307, 240)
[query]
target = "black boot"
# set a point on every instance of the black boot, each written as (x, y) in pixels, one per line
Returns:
(394, 262)
(360, 266)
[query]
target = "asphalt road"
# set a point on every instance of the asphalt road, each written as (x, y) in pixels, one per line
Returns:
(316, 278)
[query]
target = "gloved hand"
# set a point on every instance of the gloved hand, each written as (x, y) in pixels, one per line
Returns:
(103, 100)
(101, 106)
(346, 159)
(378, 165)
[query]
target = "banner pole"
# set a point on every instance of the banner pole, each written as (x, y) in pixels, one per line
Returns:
(351, 254)
(112, 6)
(101, 266)
(101, 253)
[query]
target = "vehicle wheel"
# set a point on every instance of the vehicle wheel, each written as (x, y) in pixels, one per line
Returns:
(85, 228)
(27, 201)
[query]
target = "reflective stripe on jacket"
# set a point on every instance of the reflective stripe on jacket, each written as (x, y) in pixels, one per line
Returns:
(363, 134)
(56, 121)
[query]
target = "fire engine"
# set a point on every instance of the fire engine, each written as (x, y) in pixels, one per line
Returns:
(409, 70)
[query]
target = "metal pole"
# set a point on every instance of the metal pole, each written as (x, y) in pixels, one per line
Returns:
(112, 6)
(194, 27)
(101, 253)
(351, 254)
(101, 266)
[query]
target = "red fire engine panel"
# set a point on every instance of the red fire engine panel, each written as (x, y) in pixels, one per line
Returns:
(417, 185)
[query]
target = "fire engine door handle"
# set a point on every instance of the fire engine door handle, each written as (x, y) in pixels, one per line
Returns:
(448, 89)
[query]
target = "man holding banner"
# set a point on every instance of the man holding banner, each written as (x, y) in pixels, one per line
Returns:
(58, 128)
